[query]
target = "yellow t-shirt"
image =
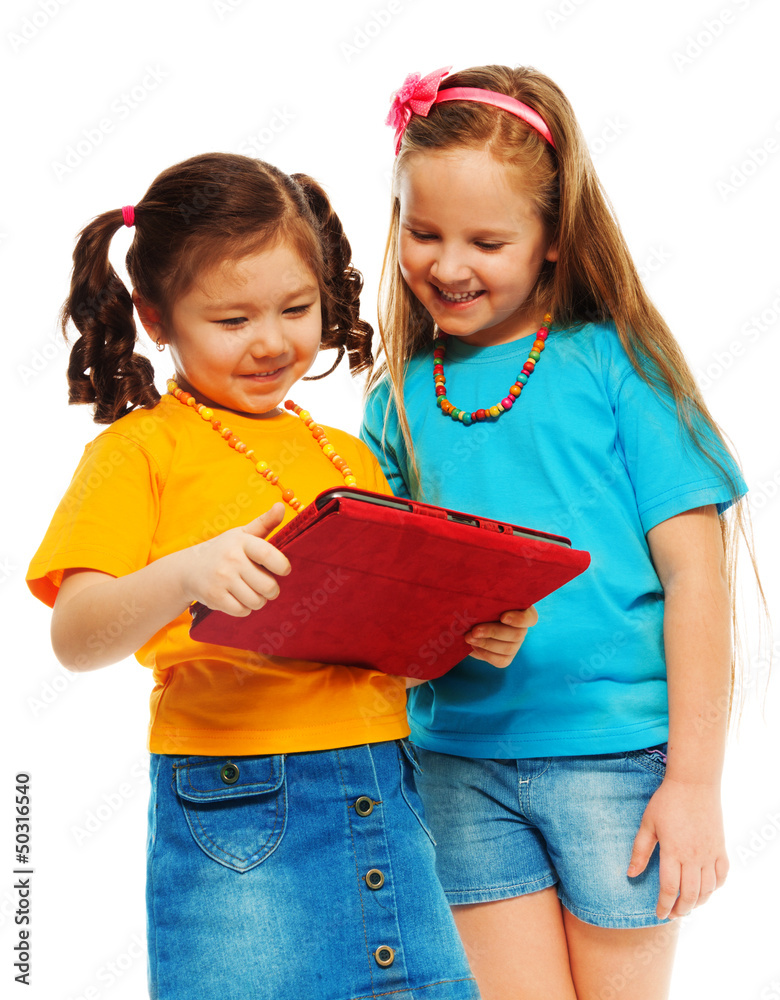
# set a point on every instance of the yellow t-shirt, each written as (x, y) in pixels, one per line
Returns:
(160, 480)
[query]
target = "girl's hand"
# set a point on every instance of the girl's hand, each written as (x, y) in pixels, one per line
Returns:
(236, 571)
(686, 820)
(498, 642)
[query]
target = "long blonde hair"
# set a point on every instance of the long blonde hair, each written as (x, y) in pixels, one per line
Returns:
(593, 280)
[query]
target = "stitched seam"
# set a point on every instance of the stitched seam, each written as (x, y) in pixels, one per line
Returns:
(414, 989)
(221, 850)
(357, 875)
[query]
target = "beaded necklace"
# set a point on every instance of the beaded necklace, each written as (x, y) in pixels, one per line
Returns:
(317, 432)
(440, 350)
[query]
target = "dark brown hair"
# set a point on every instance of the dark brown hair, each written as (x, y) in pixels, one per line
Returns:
(195, 215)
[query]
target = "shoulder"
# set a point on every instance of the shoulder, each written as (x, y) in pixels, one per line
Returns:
(597, 345)
(143, 438)
(144, 429)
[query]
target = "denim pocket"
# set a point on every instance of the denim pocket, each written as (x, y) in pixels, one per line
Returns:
(236, 807)
(652, 759)
(409, 767)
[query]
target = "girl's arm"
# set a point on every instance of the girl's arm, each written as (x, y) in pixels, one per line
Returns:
(100, 619)
(684, 815)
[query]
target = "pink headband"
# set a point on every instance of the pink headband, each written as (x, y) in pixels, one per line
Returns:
(418, 95)
(128, 215)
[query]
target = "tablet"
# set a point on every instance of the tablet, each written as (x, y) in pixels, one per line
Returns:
(390, 584)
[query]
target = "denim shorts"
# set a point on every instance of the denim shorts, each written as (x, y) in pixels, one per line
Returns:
(505, 828)
(291, 876)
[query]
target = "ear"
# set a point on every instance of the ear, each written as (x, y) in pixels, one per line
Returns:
(552, 252)
(150, 318)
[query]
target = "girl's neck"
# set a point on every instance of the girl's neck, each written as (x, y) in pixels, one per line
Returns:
(214, 404)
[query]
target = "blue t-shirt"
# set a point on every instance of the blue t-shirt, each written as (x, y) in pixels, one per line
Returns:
(590, 451)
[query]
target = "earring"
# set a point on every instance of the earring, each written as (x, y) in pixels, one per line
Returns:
(159, 346)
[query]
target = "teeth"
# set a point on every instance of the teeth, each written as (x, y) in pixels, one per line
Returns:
(457, 296)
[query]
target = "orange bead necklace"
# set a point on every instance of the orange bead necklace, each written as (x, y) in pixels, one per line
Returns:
(317, 432)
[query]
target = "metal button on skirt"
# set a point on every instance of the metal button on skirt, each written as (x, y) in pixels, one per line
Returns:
(299, 875)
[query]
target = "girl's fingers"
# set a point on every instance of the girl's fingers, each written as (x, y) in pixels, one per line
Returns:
(264, 554)
(690, 887)
(644, 845)
(709, 883)
(521, 619)
(670, 874)
(497, 632)
(721, 871)
(264, 586)
(495, 646)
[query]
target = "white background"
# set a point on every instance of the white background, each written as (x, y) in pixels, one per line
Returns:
(679, 101)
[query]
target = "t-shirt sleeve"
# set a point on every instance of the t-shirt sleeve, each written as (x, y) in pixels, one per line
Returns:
(106, 519)
(386, 442)
(670, 471)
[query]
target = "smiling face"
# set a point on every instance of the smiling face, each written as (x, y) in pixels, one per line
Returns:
(471, 245)
(245, 332)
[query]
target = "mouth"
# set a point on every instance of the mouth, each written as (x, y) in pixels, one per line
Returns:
(457, 298)
(272, 373)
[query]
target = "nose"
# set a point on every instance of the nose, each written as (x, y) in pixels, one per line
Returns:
(267, 340)
(449, 266)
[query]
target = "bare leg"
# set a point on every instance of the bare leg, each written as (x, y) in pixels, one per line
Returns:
(630, 964)
(517, 947)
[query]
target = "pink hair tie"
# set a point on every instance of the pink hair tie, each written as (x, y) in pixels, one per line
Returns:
(128, 215)
(417, 96)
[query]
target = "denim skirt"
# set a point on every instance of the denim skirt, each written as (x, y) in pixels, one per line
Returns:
(306, 876)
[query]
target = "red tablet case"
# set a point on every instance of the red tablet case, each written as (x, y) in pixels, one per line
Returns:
(392, 590)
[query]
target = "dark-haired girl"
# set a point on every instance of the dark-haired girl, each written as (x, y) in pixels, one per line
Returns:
(287, 853)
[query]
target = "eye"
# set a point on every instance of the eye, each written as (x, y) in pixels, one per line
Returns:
(233, 323)
(422, 237)
(488, 246)
(298, 310)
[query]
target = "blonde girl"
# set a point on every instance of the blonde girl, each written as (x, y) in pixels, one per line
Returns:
(575, 796)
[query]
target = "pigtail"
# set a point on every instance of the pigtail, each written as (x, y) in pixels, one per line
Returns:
(103, 369)
(342, 326)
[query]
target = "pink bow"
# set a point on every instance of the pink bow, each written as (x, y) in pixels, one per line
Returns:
(416, 96)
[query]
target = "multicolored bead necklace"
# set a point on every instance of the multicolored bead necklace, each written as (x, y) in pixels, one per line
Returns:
(317, 432)
(439, 351)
